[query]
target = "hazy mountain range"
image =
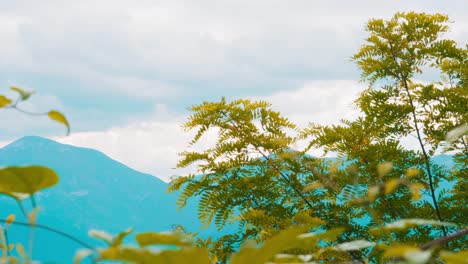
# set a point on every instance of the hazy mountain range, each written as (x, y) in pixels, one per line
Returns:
(95, 192)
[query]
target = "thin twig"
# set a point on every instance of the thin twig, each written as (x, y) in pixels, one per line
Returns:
(444, 239)
(53, 230)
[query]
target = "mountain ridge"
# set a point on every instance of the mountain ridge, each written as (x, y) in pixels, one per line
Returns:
(94, 192)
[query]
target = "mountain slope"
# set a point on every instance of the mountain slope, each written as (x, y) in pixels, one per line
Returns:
(94, 192)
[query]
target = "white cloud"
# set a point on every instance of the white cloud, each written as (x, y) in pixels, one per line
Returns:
(321, 102)
(168, 48)
(183, 50)
(17, 123)
(151, 144)
(150, 147)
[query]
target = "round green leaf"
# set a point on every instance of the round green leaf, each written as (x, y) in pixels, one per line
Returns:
(26, 180)
(59, 117)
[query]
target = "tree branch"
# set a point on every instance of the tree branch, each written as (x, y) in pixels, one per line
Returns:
(444, 239)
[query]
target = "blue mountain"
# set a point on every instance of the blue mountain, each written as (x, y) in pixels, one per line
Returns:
(94, 192)
(97, 192)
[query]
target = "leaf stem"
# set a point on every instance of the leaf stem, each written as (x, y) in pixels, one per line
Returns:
(53, 230)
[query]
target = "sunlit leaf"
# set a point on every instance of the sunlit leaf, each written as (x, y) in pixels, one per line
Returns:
(4, 101)
(355, 245)
(415, 189)
(407, 223)
(460, 257)
(312, 186)
(384, 168)
(24, 95)
(20, 250)
(101, 235)
(372, 192)
(399, 251)
(81, 254)
(418, 256)
(150, 238)
(282, 241)
(117, 240)
(413, 255)
(457, 132)
(59, 117)
(9, 220)
(146, 256)
(391, 185)
(26, 180)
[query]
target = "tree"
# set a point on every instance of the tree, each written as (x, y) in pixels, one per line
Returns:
(252, 175)
(378, 202)
(398, 52)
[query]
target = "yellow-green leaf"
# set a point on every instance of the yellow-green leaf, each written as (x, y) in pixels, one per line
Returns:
(391, 185)
(384, 168)
(150, 238)
(412, 172)
(81, 254)
(399, 251)
(407, 223)
(460, 257)
(20, 250)
(4, 101)
(17, 181)
(412, 254)
(354, 245)
(59, 117)
(372, 192)
(284, 240)
(312, 186)
(457, 132)
(143, 255)
(117, 240)
(24, 95)
(10, 219)
(415, 189)
(102, 235)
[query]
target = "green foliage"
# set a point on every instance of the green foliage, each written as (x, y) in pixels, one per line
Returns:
(289, 207)
(24, 95)
(20, 181)
(60, 118)
(252, 177)
(4, 101)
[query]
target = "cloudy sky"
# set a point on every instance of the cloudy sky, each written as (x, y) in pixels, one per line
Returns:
(125, 72)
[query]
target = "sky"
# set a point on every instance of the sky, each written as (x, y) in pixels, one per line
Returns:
(125, 72)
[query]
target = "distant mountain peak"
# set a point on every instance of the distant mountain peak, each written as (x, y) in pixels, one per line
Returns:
(43, 151)
(31, 141)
